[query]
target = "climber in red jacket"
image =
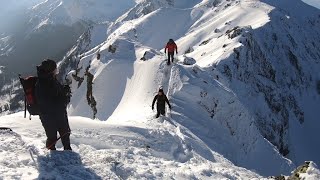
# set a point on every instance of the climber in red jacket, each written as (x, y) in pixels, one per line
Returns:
(171, 46)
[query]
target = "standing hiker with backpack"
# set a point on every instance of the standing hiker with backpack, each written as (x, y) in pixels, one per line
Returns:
(52, 98)
(171, 47)
(161, 99)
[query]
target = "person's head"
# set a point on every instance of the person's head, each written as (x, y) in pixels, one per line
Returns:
(160, 92)
(171, 41)
(49, 67)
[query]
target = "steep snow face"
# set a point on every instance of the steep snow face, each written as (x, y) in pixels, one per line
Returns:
(68, 12)
(37, 29)
(270, 63)
(119, 87)
(145, 7)
(117, 66)
(250, 95)
(94, 36)
(274, 72)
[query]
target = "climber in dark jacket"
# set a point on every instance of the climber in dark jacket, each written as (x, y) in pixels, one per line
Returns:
(52, 99)
(161, 99)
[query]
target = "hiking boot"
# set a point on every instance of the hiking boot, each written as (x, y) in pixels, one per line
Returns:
(52, 148)
(68, 148)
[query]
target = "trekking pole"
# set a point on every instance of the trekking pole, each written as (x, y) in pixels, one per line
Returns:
(48, 147)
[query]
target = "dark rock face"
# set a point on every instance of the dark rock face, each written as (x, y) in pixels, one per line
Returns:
(90, 98)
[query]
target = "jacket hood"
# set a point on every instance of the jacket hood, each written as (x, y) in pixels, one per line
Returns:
(46, 69)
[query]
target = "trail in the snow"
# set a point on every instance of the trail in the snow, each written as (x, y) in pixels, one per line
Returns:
(16, 153)
(182, 150)
(163, 75)
(106, 151)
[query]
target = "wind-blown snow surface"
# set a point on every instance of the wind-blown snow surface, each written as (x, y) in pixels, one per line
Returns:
(234, 96)
(234, 135)
(249, 98)
(142, 149)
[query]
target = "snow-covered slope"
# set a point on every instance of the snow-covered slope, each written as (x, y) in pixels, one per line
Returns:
(145, 149)
(68, 12)
(31, 31)
(248, 98)
(215, 35)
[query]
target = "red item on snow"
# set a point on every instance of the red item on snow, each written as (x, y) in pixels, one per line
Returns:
(171, 47)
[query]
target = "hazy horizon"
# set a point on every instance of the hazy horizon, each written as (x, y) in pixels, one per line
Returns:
(315, 3)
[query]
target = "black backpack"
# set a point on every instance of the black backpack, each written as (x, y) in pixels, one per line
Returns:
(30, 102)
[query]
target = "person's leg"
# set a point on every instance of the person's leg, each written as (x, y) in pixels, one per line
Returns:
(65, 139)
(51, 133)
(158, 112)
(168, 59)
(163, 111)
(172, 57)
(64, 131)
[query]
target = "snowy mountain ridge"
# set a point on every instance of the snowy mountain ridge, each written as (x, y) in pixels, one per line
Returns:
(33, 30)
(243, 90)
(232, 30)
(70, 12)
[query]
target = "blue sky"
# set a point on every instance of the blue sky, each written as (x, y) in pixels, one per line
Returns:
(315, 3)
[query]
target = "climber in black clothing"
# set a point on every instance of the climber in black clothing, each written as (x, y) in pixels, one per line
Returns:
(161, 99)
(52, 98)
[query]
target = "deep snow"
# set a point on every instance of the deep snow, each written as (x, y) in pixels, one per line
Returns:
(221, 118)
(143, 149)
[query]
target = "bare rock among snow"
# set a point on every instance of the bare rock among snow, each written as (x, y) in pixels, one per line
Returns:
(149, 54)
(188, 60)
(112, 48)
(189, 50)
(236, 31)
(308, 170)
(205, 42)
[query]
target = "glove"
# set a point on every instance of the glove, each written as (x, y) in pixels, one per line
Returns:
(176, 52)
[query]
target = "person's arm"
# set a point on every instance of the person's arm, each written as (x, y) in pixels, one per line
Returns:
(154, 100)
(166, 99)
(60, 93)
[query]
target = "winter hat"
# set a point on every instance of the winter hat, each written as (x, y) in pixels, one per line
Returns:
(48, 66)
(161, 90)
